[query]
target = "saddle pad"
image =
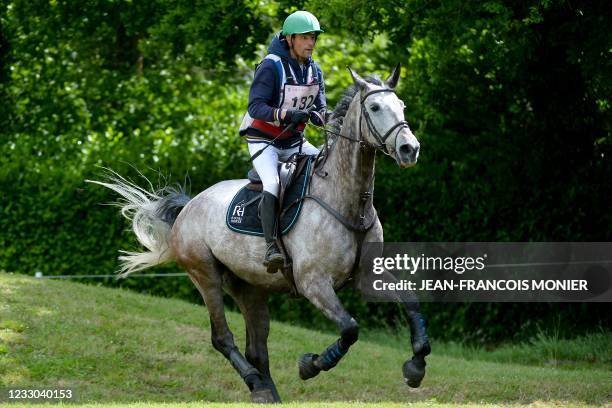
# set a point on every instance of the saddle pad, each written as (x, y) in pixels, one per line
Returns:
(242, 212)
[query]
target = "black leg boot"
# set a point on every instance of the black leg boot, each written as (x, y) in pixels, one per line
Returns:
(273, 259)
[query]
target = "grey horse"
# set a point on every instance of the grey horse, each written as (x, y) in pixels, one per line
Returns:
(325, 243)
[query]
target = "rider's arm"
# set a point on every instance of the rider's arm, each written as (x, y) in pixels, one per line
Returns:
(320, 101)
(263, 93)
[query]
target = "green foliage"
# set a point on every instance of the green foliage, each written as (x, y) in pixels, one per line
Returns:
(510, 103)
(81, 98)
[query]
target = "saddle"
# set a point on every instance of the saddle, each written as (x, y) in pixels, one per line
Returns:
(243, 213)
(294, 175)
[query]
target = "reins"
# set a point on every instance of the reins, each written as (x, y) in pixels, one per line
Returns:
(289, 127)
(363, 225)
(366, 194)
(364, 113)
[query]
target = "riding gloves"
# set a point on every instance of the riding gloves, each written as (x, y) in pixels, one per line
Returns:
(296, 116)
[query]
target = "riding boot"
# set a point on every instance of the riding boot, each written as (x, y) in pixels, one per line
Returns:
(273, 259)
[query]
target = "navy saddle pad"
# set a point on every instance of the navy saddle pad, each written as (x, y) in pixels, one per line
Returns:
(242, 211)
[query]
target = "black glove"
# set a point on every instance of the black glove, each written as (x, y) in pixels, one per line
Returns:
(296, 116)
(320, 117)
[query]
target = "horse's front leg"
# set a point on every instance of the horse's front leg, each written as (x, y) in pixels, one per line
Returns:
(414, 368)
(322, 295)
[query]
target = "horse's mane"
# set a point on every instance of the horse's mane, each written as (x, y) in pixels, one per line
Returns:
(337, 116)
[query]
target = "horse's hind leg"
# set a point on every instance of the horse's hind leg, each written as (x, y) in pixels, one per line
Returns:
(252, 302)
(323, 296)
(208, 279)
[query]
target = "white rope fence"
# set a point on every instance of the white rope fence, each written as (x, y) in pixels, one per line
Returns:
(40, 275)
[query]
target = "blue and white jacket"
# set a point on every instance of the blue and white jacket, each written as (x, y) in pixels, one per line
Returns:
(264, 96)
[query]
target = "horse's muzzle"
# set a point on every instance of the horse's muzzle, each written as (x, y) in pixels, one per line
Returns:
(407, 154)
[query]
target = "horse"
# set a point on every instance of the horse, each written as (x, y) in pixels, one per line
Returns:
(325, 243)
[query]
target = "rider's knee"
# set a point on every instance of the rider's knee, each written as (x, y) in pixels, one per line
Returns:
(311, 151)
(271, 188)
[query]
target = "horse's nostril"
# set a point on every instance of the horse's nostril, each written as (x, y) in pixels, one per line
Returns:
(406, 150)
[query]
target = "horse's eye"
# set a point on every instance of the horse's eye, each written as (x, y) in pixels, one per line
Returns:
(375, 107)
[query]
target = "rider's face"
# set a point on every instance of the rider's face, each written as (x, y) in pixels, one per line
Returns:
(302, 45)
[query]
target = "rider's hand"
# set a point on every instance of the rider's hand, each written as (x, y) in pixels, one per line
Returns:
(320, 117)
(296, 116)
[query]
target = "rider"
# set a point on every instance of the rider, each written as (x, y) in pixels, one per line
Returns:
(288, 89)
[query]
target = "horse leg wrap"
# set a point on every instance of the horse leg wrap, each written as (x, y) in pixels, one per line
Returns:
(418, 334)
(250, 375)
(349, 336)
(331, 356)
(252, 379)
(311, 365)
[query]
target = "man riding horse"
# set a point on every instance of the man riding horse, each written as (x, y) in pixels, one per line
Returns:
(287, 90)
(326, 243)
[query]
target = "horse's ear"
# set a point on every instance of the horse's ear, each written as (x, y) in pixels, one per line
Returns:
(391, 82)
(359, 81)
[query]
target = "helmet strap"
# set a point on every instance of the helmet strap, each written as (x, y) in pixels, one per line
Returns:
(290, 45)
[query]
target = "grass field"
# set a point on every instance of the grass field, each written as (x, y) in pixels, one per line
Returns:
(115, 346)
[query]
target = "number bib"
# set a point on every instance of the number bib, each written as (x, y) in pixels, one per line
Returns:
(291, 96)
(299, 96)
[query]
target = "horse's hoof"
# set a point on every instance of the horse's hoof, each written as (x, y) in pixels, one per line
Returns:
(263, 396)
(307, 367)
(269, 384)
(414, 371)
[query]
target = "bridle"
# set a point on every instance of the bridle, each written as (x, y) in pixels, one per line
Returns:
(381, 139)
(365, 148)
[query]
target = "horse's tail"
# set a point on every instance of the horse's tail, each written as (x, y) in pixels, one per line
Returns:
(152, 214)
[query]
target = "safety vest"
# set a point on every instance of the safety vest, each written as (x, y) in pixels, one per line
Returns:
(292, 95)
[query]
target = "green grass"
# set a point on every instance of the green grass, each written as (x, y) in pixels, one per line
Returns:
(115, 346)
(548, 350)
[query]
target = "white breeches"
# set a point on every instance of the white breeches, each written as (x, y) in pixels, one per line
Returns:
(267, 162)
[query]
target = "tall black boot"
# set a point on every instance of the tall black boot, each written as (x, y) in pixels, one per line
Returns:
(273, 259)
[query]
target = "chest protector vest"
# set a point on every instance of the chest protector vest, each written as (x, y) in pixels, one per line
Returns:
(292, 95)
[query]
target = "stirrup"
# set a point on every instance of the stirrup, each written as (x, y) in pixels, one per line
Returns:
(274, 259)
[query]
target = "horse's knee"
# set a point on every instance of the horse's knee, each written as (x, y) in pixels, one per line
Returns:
(350, 334)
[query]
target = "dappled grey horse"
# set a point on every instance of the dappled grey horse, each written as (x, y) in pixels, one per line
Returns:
(325, 243)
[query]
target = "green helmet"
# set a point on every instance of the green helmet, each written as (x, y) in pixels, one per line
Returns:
(301, 22)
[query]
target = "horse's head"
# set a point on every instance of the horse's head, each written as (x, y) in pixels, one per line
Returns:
(382, 119)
